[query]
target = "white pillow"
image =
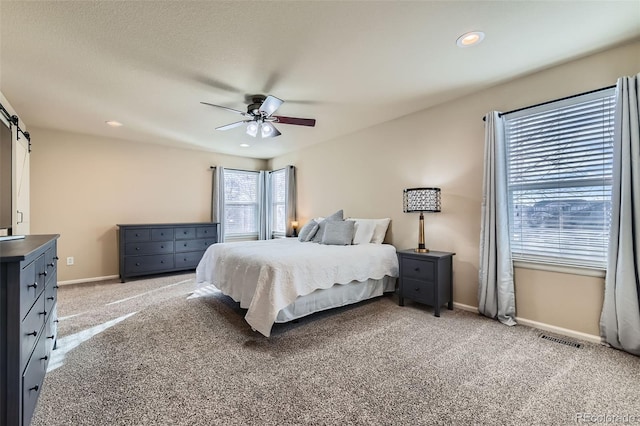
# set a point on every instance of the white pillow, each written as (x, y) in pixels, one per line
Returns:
(380, 229)
(364, 231)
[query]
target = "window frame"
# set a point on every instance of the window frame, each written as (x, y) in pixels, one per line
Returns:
(228, 203)
(558, 263)
(274, 204)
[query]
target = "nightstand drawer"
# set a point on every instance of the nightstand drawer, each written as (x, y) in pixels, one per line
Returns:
(420, 291)
(418, 268)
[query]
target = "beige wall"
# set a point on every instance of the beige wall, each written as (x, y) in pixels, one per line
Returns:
(364, 174)
(82, 186)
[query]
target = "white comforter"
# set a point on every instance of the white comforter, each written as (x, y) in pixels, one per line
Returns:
(267, 276)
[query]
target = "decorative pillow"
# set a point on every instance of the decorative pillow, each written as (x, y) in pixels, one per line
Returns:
(308, 231)
(336, 216)
(379, 232)
(338, 232)
(363, 231)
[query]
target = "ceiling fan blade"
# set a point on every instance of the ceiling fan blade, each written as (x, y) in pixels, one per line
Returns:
(297, 121)
(270, 105)
(228, 109)
(233, 125)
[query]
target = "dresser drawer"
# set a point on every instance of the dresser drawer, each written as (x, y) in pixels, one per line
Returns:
(154, 247)
(418, 268)
(51, 329)
(188, 260)
(29, 288)
(32, 381)
(32, 327)
(210, 232)
(185, 233)
(193, 245)
(139, 264)
(162, 234)
(133, 235)
(51, 293)
(418, 290)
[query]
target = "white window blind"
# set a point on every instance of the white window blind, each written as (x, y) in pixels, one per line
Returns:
(559, 165)
(278, 203)
(241, 203)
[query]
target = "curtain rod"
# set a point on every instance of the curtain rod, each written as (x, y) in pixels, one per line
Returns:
(555, 100)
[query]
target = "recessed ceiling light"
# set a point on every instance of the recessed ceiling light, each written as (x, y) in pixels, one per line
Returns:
(245, 145)
(470, 39)
(113, 123)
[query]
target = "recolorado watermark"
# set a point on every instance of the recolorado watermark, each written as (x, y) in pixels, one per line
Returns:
(606, 418)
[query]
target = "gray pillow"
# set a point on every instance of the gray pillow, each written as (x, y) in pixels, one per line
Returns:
(338, 232)
(308, 231)
(336, 216)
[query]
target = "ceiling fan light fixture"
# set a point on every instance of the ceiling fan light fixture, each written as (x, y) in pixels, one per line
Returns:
(266, 130)
(252, 129)
(470, 39)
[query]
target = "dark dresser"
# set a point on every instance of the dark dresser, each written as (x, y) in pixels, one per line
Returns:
(28, 296)
(160, 248)
(426, 278)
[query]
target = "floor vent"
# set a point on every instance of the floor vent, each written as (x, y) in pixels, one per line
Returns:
(562, 341)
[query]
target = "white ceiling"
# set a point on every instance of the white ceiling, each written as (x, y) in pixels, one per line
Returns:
(73, 65)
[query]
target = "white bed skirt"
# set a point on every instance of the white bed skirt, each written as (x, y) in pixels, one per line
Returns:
(336, 296)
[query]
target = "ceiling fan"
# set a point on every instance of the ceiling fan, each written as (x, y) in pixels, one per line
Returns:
(260, 119)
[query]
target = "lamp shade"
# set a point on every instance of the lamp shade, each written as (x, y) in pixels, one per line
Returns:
(421, 200)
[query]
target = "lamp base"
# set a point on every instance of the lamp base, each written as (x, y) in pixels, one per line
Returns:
(421, 250)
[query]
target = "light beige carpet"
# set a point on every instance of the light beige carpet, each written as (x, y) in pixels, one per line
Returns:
(144, 353)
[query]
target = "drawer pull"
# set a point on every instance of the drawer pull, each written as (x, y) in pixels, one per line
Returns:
(417, 269)
(56, 321)
(43, 273)
(137, 264)
(35, 388)
(137, 235)
(162, 261)
(56, 258)
(137, 248)
(33, 333)
(161, 246)
(50, 298)
(42, 313)
(51, 337)
(51, 264)
(56, 286)
(185, 244)
(44, 358)
(417, 289)
(34, 285)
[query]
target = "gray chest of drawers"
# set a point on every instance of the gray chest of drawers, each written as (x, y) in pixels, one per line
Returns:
(168, 247)
(28, 319)
(426, 278)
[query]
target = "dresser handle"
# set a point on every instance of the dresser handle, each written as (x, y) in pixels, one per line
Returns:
(417, 288)
(185, 244)
(44, 358)
(43, 273)
(34, 285)
(33, 333)
(56, 258)
(51, 264)
(42, 313)
(56, 321)
(137, 248)
(35, 388)
(50, 298)
(417, 269)
(56, 286)
(137, 264)
(51, 337)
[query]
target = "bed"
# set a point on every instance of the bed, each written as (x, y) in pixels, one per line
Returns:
(284, 279)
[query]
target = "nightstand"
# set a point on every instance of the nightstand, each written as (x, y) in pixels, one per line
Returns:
(426, 278)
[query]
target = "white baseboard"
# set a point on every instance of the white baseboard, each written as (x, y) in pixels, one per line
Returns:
(541, 326)
(88, 280)
(559, 330)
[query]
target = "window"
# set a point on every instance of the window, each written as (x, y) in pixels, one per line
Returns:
(278, 203)
(241, 203)
(559, 173)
